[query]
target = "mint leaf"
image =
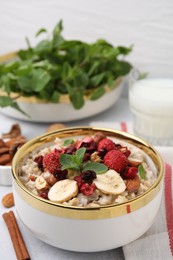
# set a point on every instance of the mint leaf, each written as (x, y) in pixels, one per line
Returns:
(142, 172)
(79, 155)
(67, 161)
(7, 101)
(68, 142)
(98, 168)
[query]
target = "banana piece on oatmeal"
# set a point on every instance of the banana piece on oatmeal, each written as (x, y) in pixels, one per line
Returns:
(110, 183)
(63, 191)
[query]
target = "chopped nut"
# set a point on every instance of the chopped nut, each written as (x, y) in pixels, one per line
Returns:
(4, 150)
(95, 157)
(8, 200)
(41, 184)
(14, 132)
(134, 163)
(132, 185)
(2, 143)
(5, 158)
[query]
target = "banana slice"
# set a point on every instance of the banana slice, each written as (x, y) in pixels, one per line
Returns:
(63, 191)
(110, 183)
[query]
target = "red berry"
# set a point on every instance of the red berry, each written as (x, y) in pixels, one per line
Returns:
(78, 179)
(87, 189)
(39, 161)
(116, 160)
(44, 195)
(85, 140)
(51, 162)
(106, 144)
(131, 173)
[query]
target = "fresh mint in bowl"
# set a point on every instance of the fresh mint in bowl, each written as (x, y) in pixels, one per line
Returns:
(62, 76)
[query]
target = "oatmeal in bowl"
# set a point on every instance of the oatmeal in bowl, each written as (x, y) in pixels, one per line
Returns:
(89, 171)
(89, 179)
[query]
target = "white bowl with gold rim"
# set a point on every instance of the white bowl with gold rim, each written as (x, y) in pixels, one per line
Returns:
(42, 111)
(88, 229)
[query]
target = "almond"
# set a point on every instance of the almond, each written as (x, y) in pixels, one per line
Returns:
(134, 163)
(8, 200)
(132, 185)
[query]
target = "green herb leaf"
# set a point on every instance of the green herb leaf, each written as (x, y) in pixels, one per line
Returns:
(98, 168)
(56, 66)
(142, 172)
(40, 31)
(68, 142)
(67, 161)
(79, 155)
(7, 101)
(99, 92)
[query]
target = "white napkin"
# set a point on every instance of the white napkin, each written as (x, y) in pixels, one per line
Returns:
(157, 242)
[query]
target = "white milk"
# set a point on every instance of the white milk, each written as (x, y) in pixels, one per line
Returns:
(151, 101)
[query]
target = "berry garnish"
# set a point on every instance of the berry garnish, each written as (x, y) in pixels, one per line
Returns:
(39, 161)
(87, 189)
(78, 179)
(51, 162)
(88, 176)
(131, 173)
(106, 144)
(116, 160)
(60, 174)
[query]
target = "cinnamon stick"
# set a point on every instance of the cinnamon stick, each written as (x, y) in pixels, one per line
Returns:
(16, 236)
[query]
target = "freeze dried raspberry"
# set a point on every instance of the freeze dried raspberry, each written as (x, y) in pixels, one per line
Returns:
(39, 161)
(87, 189)
(131, 173)
(106, 144)
(116, 160)
(51, 162)
(78, 179)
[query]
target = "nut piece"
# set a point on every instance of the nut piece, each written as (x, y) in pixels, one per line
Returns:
(8, 200)
(134, 163)
(54, 127)
(132, 185)
(41, 184)
(14, 132)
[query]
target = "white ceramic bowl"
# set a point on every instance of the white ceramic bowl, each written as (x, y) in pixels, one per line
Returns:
(87, 229)
(5, 175)
(63, 111)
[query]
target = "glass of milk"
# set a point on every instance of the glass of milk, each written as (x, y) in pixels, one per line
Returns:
(151, 102)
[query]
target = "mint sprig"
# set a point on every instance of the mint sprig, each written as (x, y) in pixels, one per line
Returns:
(75, 162)
(57, 66)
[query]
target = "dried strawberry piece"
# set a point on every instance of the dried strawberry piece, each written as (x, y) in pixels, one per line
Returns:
(106, 144)
(86, 140)
(51, 161)
(116, 160)
(131, 173)
(87, 189)
(39, 161)
(78, 179)
(44, 195)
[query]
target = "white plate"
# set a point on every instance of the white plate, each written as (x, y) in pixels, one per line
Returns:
(64, 111)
